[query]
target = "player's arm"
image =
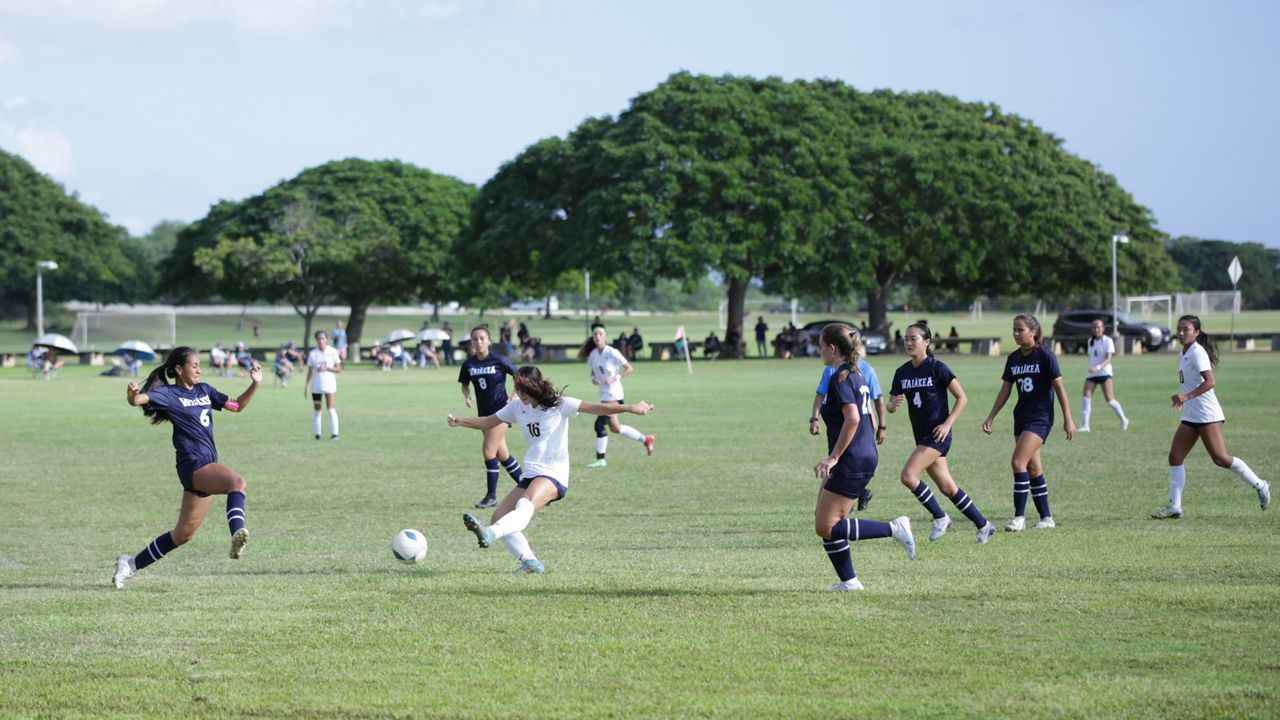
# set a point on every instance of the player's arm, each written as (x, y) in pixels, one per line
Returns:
(882, 420)
(590, 408)
(475, 423)
(1207, 384)
(134, 395)
(1002, 397)
(255, 379)
(962, 400)
(626, 370)
(1068, 423)
(814, 425)
(466, 392)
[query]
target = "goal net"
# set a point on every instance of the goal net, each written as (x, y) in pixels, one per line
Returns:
(1208, 302)
(1151, 306)
(104, 331)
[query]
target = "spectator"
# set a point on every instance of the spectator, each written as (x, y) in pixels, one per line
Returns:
(522, 335)
(425, 354)
(283, 367)
(636, 343)
(762, 330)
(339, 337)
(711, 346)
(220, 361)
(381, 356)
(623, 345)
(446, 346)
(953, 346)
(243, 358)
(132, 362)
(530, 351)
(398, 356)
(291, 353)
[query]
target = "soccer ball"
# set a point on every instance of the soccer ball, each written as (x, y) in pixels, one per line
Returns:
(409, 546)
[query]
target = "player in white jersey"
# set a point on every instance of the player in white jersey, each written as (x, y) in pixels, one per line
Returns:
(608, 367)
(1101, 350)
(323, 365)
(1202, 418)
(542, 413)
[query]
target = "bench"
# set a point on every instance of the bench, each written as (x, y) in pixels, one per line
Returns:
(667, 350)
(987, 346)
(1247, 341)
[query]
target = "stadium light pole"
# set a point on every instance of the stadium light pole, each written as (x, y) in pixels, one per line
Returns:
(41, 265)
(1117, 239)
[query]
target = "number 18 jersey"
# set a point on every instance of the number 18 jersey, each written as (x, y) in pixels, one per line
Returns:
(1032, 376)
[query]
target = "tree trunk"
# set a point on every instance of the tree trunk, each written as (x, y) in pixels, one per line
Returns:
(31, 317)
(435, 311)
(737, 302)
(878, 299)
(547, 314)
(355, 321)
(308, 317)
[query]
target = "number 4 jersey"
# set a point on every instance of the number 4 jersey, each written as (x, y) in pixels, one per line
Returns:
(547, 432)
(925, 391)
(191, 414)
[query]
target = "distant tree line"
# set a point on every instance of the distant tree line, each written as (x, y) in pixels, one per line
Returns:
(809, 189)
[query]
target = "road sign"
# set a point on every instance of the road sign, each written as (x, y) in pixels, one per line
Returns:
(1234, 270)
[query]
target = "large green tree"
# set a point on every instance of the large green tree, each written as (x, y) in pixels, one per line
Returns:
(1202, 265)
(377, 231)
(39, 220)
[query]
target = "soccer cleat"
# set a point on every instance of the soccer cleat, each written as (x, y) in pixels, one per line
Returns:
(864, 500)
(901, 527)
(483, 534)
(1169, 512)
(238, 541)
(529, 567)
(850, 585)
(317, 437)
(1264, 495)
(1124, 424)
(648, 443)
(1017, 524)
(940, 526)
(124, 571)
(333, 437)
(597, 463)
(985, 533)
(1045, 523)
(1082, 429)
(487, 501)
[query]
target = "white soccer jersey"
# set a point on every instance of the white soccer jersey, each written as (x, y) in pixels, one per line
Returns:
(322, 380)
(1098, 352)
(605, 365)
(547, 432)
(1203, 408)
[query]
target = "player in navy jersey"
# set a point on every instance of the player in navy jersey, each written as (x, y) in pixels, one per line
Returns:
(542, 413)
(1202, 419)
(188, 405)
(487, 373)
(1034, 371)
(923, 383)
(851, 460)
(873, 383)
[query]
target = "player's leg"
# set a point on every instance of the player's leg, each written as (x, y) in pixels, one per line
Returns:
(190, 515)
(217, 479)
(1086, 405)
(515, 511)
(1109, 391)
(1184, 439)
(330, 401)
(503, 454)
(490, 447)
(1216, 444)
(316, 417)
(940, 471)
(1040, 491)
(1025, 449)
(602, 427)
(920, 459)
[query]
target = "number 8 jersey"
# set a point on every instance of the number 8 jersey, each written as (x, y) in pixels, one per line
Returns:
(547, 432)
(190, 412)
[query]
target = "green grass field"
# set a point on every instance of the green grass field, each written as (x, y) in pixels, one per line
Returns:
(689, 584)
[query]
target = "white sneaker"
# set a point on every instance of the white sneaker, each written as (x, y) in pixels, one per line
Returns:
(238, 542)
(851, 585)
(985, 533)
(1045, 524)
(1124, 424)
(124, 571)
(1082, 429)
(940, 526)
(1264, 495)
(902, 533)
(1017, 524)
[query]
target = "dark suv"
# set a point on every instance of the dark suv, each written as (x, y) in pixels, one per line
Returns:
(1074, 327)
(875, 342)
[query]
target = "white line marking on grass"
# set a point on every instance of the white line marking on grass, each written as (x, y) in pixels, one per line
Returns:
(13, 564)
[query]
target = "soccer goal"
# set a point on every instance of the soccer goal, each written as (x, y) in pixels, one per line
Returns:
(1207, 302)
(104, 331)
(1148, 305)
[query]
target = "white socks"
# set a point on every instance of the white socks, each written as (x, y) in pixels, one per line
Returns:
(1086, 406)
(518, 545)
(601, 444)
(514, 521)
(1239, 467)
(1115, 405)
(333, 420)
(631, 433)
(1177, 479)
(315, 423)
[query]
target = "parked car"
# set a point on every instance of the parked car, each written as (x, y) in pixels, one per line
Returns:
(875, 342)
(1073, 329)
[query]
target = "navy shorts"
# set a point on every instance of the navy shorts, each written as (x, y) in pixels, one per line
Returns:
(942, 447)
(1038, 427)
(526, 481)
(1199, 425)
(184, 476)
(847, 486)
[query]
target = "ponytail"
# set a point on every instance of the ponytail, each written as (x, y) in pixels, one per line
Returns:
(161, 375)
(1205, 341)
(589, 344)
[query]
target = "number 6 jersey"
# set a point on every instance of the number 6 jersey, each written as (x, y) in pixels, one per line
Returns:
(547, 432)
(190, 412)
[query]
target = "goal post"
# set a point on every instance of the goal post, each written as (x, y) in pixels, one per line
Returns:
(1149, 304)
(104, 331)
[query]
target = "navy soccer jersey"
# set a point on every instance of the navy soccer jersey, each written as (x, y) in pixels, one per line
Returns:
(191, 414)
(488, 378)
(861, 457)
(925, 390)
(1032, 375)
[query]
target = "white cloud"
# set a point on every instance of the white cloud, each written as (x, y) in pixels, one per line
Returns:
(45, 148)
(15, 102)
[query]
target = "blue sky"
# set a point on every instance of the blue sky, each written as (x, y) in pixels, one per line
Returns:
(156, 109)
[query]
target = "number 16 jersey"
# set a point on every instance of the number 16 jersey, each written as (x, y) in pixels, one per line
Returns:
(547, 432)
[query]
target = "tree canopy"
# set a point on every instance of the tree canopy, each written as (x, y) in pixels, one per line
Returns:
(39, 220)
(1202, 265)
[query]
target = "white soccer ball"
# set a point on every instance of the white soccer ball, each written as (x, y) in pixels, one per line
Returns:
(409, 546)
